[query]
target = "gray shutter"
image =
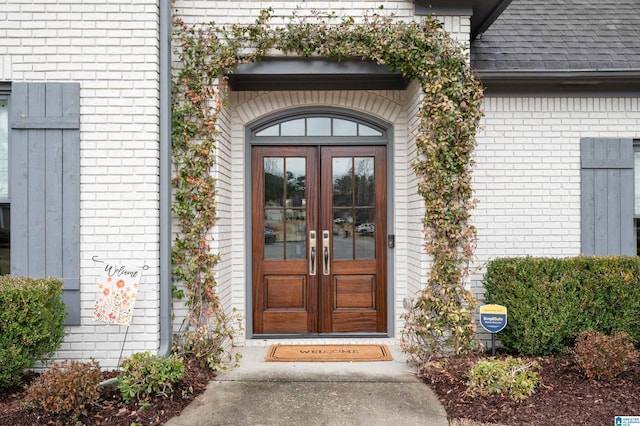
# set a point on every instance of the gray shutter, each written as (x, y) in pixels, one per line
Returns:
(607, 197)
(45, 185)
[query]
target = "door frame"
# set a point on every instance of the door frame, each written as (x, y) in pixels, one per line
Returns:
(251, 140)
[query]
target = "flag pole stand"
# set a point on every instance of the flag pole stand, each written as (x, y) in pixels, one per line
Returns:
(122, 348)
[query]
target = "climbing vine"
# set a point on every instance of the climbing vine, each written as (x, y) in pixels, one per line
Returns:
(440, 317)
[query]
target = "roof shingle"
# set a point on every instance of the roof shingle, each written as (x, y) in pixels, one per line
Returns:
(548, 35)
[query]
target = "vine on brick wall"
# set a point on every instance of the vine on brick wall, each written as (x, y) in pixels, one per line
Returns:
(440, 318)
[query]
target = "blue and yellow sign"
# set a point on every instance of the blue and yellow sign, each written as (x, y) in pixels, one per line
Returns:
(493, 318)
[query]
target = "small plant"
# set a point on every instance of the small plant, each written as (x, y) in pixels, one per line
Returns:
(31, 314)
(68, 388)
(604, 357)
(512, 377)
(145, 375)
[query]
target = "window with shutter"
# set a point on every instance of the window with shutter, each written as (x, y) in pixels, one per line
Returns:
(607, 197)
(44, 123)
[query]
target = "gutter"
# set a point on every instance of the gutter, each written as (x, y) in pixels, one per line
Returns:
(164, 31)
(561, 73)
(574, 81)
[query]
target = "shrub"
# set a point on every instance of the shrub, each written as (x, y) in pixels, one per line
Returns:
(550, 301)
(512, 377)
(603, 357)
(67, 388)
(31, 314)
(145, 375)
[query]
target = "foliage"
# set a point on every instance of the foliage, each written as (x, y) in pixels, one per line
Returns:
(144, 375)
(31, 314)
(440, 318)
(511, 376)
(68, 388)
(550, 301)
(604, 357)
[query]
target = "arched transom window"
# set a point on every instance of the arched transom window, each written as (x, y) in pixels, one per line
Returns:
(319, 126)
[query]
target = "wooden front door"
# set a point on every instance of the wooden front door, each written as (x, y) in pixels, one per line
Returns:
(319, 239)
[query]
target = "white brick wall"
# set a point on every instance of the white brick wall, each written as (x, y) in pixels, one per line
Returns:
(416, 277)
(111, 49)
(225, 12)
(527, 176)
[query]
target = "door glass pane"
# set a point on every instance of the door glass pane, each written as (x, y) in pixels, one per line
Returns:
(353, 212)
(342, 234)
(273, 182)
(342, 182)
(364, 181)
(344, 128)
(296, 182)
(296, 229)
(365, 236)
(274, 234)
(292, 128)
(4, 150)
(285, 208)
(319, 126)
(296, 234)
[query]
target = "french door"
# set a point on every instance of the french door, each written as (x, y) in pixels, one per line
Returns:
(319, 239)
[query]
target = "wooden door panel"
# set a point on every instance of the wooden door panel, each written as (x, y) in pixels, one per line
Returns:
(285, 293)
(354, 292)
(355, 322)
(284, 322)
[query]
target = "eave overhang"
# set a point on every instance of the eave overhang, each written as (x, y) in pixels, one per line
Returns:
(299, 73)
(482, 12)
(555, 82)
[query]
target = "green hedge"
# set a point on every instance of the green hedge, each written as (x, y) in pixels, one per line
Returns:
(550, 301)
(31, 317)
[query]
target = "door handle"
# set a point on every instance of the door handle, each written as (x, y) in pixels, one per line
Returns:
(325, 252)
(312, 252)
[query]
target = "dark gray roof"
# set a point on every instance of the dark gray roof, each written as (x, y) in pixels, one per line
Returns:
(560, 35)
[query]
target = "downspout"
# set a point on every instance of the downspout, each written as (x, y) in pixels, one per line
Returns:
(164, 33)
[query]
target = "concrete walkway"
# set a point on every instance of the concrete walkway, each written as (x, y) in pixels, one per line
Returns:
(315, 393)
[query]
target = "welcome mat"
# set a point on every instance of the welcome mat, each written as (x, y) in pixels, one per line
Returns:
(328, 353)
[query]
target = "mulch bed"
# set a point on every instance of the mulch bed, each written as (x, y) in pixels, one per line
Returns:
(110, 409)
(566, 397)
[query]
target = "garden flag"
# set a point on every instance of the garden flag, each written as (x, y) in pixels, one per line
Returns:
(116, 296)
